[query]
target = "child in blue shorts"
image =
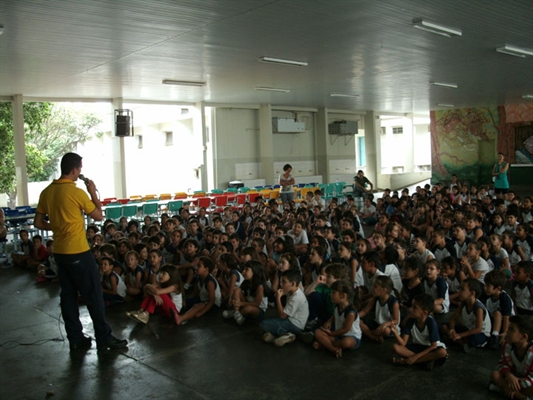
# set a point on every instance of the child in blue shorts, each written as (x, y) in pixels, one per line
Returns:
(426, 346)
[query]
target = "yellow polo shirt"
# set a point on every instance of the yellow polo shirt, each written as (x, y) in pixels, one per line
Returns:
(65, 203)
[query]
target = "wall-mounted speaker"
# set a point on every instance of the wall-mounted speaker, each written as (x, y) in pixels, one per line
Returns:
(123, 123)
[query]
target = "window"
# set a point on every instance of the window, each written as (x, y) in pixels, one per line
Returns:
(396, 130)
(362, 151)
(169, 138)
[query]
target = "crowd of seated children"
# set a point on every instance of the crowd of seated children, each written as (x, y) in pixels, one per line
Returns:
(323, 278)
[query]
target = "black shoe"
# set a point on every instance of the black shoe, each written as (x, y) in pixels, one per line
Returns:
(83, 344)
(113, 343)
(494, 343)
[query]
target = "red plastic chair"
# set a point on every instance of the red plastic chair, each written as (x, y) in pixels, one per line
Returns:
(220, 202)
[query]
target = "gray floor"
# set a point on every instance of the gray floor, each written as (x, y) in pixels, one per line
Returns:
(208, 358)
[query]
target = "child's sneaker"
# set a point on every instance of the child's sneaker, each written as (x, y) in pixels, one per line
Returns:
(228, 314)
(239, 318)
(143, 317)
(284, 339)
(308, 337)
(494, 388)
(268, 337)
(494, 342)
(468, 349)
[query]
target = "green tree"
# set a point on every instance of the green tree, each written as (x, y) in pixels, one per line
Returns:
(50, 130)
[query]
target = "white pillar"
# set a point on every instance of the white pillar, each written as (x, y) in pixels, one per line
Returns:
(119, 156)
(20, 151)
(200, 133)
(321, 130)
(266, 146)
(373, 147)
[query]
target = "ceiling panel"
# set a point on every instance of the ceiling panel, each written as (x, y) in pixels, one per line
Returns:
(108, 49)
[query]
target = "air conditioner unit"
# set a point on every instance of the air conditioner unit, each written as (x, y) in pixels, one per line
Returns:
(287, 125)
(343, 128)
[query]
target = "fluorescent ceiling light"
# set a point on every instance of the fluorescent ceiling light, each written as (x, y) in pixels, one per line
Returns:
(271, 89)
(352, 96)
(283, 61)
(527, 96)
(419, 23)
(445, 84)
(444, 105)
(514, 51)
(182, 83)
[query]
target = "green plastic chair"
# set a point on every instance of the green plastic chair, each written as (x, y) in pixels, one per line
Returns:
(129, 211)
(113, 212)
(232, 190)
(150, 208)
(244, 189)
(175, 206)
(217, 191)
(328, 191)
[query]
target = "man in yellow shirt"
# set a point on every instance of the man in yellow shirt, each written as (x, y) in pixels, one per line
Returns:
(64, 204)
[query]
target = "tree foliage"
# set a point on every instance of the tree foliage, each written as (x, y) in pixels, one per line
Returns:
(50, 130)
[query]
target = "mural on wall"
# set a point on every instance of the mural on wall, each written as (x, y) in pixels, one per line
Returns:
(463, 142)
(524, 145)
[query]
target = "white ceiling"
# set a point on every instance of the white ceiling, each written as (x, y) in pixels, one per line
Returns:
(125, 48)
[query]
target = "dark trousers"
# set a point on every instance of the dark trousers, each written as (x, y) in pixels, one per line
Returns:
(79, 273)
(317, 307)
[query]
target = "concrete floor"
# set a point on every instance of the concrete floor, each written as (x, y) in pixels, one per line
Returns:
(209, 358)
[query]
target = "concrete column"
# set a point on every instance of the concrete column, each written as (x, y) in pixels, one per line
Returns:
(119, 156)
(321, 138)
(410, 144)
(20, 151)
(266, 147)
(373, 148)
(199, 129)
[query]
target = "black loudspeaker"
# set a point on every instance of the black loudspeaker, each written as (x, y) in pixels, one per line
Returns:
(123, 123)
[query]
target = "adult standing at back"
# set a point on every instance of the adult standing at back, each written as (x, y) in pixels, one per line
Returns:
(286, 180)
(64, 204)
(360, 183)
(499, 173)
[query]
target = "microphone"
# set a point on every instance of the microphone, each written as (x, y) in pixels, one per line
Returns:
(84, 179)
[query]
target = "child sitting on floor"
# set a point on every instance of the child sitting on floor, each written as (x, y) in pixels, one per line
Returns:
(436, 286)
(346, 333)
(523, 288)
(249, 300)
(26, 256)
(386, 310)
(166, 296)
(292, 317)
(133, 276)
(319, 293)
(49, 269)
(475, 330)
(499, 305)
(426, 346)
(413, 272)
(207, 296)
(514, 376)
(113, 287)
(453, 275)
